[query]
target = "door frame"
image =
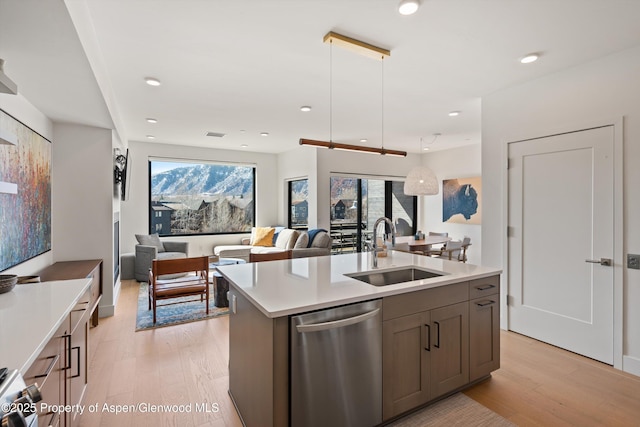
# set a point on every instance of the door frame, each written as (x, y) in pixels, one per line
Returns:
(618, 220)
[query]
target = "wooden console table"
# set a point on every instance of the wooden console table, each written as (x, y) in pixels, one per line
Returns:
(67, 270)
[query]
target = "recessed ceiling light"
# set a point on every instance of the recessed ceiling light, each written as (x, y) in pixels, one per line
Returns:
(532, 57)
(152, 81)
(425, 149)
(408, 7)
(454, 113)
(363, 140)
(244, 146)
(151, 120)
(151, 137)
(264, 133)
(305, 108)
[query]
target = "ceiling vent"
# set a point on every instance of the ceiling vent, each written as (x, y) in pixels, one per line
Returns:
(216, 134)
(6, 84)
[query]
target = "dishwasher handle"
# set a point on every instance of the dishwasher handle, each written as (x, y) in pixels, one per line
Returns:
(324, 326)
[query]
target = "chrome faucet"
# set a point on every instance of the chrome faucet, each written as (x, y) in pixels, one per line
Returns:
(374, 244)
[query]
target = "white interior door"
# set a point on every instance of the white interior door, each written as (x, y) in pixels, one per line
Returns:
(561, 201)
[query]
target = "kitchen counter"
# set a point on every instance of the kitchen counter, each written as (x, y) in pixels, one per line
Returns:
(283, 288)
(29, 316)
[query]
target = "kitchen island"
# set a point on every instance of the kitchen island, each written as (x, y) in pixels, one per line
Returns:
(436, 335)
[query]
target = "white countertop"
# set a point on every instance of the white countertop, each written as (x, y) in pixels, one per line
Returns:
(29, 316)
(282, 288)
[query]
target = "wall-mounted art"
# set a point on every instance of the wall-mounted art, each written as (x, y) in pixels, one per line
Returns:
(461, 200)
(25, 202)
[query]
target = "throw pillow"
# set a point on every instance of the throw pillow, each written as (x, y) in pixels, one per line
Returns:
(312, 236)
(150, 240)
(263, 236)
(322, 240)
(286, 239)
(302, 242)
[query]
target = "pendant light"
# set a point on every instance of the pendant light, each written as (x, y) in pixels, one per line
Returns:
(370, 51)
(421, 181)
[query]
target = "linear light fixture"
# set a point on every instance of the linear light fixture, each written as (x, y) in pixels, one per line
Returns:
(356, 46)
(349, 147)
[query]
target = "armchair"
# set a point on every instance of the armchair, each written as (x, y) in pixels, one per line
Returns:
(150, 248)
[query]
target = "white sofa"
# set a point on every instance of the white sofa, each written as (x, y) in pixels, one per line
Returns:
(287, 239)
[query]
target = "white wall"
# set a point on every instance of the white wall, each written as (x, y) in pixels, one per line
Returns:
(602, 90)
(134, 212)
(81, 194)
(82, 201)
(18, 107)
(298, 163)
(463, 162)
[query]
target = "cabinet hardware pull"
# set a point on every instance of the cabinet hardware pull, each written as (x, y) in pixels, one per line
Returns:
(485, 287)
(428, 331)
(314, 327)
(78, 374)
(68, 338)
(53, 422)
(234, 304)
(485, 303)
(437, 345)
(50, 367)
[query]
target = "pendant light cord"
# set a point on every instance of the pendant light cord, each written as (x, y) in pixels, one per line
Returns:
(382, 101)
(331, 91)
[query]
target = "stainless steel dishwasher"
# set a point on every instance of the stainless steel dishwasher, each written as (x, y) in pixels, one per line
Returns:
(336, 366)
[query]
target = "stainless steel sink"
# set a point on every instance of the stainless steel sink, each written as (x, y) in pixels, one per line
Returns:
(393, 276)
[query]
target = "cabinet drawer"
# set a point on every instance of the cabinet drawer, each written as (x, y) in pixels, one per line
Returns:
(481, 287)
(47, 370)
(427, 299)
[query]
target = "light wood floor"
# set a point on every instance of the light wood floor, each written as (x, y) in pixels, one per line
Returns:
(537, 384)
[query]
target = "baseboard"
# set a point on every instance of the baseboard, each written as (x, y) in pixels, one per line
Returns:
(110, 310)
(107, 310)
(631, 365)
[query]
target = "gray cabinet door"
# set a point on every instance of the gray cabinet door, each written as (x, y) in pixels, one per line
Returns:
(449, 348)
(406, 363)
(484, 336)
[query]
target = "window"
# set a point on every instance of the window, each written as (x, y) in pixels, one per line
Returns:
(362, 201)
(299, 204)
(192, 197)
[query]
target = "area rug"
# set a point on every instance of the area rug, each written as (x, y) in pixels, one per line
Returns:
(175, 313)
(457, 410)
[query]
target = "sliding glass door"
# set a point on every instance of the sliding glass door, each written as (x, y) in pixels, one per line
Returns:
(356, 204)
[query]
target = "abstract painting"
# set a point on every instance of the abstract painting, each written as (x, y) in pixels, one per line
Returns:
(25, 214)
(461, 200)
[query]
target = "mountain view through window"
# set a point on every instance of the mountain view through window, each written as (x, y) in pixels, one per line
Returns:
(187, 198)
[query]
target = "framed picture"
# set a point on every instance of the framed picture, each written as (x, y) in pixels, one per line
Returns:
(25, 214)
(461, 200)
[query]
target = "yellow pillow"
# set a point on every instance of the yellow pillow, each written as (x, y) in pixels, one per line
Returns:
(263, 236)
